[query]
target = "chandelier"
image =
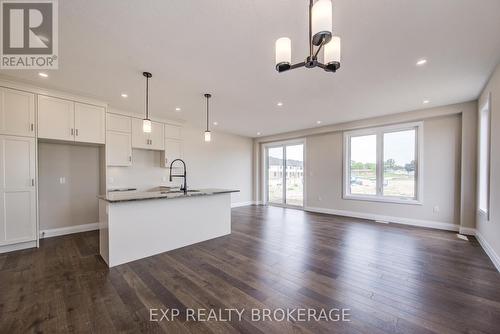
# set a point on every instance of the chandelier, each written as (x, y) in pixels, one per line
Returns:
(320, 37)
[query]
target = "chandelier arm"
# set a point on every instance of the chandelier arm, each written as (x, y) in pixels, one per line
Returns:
(298, 65)
(319, 49)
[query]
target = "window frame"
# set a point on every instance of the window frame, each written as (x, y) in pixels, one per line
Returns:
(379, 133)
(485, 108)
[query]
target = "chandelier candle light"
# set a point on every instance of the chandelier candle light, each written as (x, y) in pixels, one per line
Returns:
(146, 123)
(320, 36)
(208, 135)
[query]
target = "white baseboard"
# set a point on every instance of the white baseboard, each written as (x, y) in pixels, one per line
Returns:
(54, 232)
(238, 204)
(18, 246)
(467, 231)
(390, 219)
(495, 258)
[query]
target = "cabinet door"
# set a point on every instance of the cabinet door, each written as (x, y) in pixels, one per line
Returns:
(17, 113)
(89, 123)
(118, 148)
(56, 118)
(118, 123)
(173, 150)
(17, 190)
(156, 137)
(139, 138)
(173, 131)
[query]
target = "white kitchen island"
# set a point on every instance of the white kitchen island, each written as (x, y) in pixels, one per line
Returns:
(136, 225)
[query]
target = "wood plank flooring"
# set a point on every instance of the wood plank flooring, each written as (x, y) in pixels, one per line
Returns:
(392, 278)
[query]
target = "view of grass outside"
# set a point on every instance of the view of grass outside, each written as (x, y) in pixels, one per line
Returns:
(398, 166)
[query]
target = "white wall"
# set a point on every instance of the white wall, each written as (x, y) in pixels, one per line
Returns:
(225, 162)
(441, 171)
(74, 202)
(488, 232)
(449, 148)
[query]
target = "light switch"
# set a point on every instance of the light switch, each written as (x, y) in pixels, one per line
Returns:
(436, 209)
(164, 179)
(62, 180)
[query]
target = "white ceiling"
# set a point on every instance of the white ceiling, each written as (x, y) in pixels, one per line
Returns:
(226, 47)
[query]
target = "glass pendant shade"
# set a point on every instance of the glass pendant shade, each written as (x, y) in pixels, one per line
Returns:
(208, 136)
(283, 51)
(332, 51)
(146, 125)
(322, 21)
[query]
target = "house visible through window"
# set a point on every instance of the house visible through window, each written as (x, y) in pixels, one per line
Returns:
(382, 164)
(484, 159)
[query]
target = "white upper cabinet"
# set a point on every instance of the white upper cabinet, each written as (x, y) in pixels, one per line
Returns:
(61, 119)
(17, 113)
(56, 118)
(173, 150)
(148, 141)
(118, 123)
(156, 137)
(118, 148)
(173, 131)
(89, 123)
(17, 190)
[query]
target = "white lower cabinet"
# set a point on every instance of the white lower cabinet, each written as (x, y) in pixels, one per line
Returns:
(17, 190)
(173, 150)
(118, 148)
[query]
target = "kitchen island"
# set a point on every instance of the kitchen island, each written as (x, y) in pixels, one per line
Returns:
(135, 225)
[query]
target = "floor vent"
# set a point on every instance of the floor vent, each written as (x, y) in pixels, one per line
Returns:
(463, 237)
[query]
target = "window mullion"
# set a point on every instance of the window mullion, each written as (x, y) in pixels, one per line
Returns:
(380, 163)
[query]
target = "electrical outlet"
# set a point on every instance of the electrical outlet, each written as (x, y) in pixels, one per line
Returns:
(164, 179)
(436, 209)
(320, 198)
(62, 180)
(111, 180)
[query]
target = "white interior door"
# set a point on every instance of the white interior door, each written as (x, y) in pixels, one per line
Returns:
(17, 113)
(89, 123)
(56, 118)
(17, 190)
(285, 174)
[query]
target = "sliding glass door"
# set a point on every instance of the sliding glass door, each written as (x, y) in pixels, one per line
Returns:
(285, 174)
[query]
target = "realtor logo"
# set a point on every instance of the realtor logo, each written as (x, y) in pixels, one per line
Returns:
(29, 33)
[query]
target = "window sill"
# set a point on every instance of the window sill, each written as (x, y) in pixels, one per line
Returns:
(394, 200)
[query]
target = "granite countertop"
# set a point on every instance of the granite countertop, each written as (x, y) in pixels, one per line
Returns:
(127, 196)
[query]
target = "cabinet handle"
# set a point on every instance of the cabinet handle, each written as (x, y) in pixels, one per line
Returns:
(32, 127)
(72, 132)
(151, 140)
(76, 132)
(32, 182)
(130, 158)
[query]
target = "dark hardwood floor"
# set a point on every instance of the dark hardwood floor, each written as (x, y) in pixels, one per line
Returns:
(394, 279)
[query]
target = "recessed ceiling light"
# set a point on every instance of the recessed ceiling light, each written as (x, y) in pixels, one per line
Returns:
(318, 122)
(43, 75)
(124, 95)
(279, 104)
(258, 133)
(426, 101)
(216, 123)
(421, 62)
(177, 109)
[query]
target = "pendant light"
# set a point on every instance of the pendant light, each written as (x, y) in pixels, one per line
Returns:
(208, 135)
(146, 122)
(320, 36)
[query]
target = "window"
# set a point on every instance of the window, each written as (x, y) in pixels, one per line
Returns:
(484, 159)
(382, 164)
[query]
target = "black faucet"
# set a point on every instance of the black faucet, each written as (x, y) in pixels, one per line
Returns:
(183, 188)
